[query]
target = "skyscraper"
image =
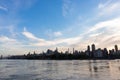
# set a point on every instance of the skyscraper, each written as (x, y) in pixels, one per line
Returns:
(73, 51)
(88, 51)
(93, 50)
(68, 50)
(116, 48)
(93, 47)
(88, 48)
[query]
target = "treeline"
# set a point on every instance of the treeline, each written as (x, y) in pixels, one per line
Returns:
(59, 56)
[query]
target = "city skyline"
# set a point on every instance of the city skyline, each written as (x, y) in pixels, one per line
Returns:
(37, 25)
(91, 52)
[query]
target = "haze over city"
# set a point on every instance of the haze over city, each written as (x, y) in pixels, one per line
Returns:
(38, 25)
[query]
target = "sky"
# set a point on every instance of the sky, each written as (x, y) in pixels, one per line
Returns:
(38, 25)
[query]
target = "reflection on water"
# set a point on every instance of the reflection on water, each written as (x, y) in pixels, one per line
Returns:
(59, 70)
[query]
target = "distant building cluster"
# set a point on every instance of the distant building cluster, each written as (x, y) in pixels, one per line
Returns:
(90, 53)
(102, 53)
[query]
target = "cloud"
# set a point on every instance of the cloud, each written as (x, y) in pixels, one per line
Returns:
(6, 39)
(16, 5)
(110, 7)
(53, 34)
(57, 34)
(9, 46)
(66, 8)
(9, 30)
(103, 5)
(96, 34)
(3, 8)
(30, 35)
(109, 24)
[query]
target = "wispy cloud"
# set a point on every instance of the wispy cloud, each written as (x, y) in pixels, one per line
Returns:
(9, 46)
(6, 39)
(109, 24)
(103, 5)
(16, 5)
(9, 30)
(3, 8)
(66, 8)
(30, 35)
(57, 34)
(53, 34)
(110, 7)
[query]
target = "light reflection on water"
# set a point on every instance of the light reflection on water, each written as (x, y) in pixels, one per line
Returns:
(59, 70)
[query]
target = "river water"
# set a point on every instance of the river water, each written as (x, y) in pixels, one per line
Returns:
(59, 69)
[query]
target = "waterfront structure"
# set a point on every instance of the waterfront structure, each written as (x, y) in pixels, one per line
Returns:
(93, 47)
(56, 51)
(73, 50)
(93, 50)
(49, 52)
(88, 50)
(98, 53)
(1, 56)
(116, 48)
(105, 53)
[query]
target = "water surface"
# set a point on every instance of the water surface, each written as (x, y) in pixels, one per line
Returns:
(59, 70)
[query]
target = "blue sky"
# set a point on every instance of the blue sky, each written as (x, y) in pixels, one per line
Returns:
(36, 25)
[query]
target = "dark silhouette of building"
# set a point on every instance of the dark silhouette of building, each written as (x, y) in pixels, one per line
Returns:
(116, 48)
(56, 51)
(93, 47)
(98, 53)
(93, 50)
(105, 53)
(73, 50)
(49, 52)
(68, 50)
(88, 51)
(88, 48)
(1, 56)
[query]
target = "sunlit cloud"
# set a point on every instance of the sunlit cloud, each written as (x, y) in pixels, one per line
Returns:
(110, 7)
(109, 24)
(103, 5)
(53, 34)
(57, 34)
(6, 39)
(30, 35)
(9, 46)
